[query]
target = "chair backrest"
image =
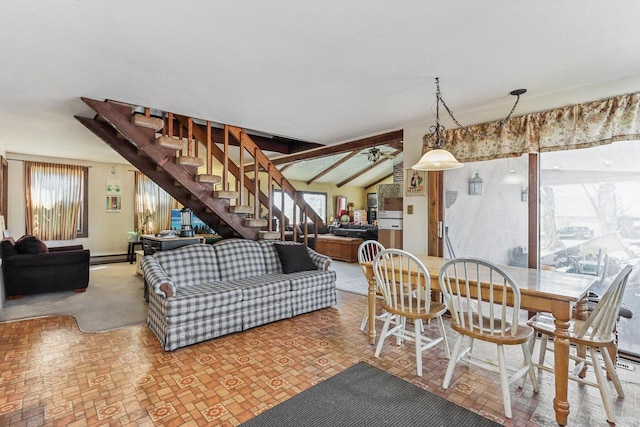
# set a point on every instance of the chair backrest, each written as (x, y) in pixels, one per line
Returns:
(403, 281)
(367, 251)
(488, 306)
(603, 318)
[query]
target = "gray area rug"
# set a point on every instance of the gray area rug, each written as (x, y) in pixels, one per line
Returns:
(366, 396)
(112, 300)
(350, 277)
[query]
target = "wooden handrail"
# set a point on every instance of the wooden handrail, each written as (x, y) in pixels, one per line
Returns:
(274, 176)
(263, 162)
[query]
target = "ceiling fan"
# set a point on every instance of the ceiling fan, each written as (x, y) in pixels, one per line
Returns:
(374, 154)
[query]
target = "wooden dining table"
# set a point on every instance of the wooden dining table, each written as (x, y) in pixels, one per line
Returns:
(541, 291)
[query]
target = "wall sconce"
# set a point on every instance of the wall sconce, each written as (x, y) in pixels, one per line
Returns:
(524, 194)
(475, 185)
(186, 215)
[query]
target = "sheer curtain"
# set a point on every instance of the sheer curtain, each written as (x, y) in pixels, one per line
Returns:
(54, 200)
(153, 206)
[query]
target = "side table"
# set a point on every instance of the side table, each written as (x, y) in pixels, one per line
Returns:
(131, 252)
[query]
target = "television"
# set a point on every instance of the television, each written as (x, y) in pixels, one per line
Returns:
(199, 226)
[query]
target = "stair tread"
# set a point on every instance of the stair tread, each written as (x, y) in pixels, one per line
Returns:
(212, 179)
(269, 235)
(154, 123)
(190, 161)
(225, 194)
(240, 209)
(169, 142)
(255, 222)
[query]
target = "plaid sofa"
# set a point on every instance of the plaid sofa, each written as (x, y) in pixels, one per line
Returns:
(201, 291)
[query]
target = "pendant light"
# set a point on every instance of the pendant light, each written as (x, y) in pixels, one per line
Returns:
(437, 158)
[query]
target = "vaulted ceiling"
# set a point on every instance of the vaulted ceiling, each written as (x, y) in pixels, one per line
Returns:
(320, 72)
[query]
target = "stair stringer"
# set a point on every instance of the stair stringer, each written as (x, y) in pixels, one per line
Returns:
(201, 196)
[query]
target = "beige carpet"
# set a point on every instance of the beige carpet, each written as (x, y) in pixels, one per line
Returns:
(350, 277)
(113, 299)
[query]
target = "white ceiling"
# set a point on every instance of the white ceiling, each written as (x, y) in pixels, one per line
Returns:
(324, 72)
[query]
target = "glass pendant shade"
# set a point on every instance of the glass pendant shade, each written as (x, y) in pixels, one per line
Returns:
(437, 160)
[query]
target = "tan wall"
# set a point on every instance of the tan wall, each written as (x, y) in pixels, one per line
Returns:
(107, 230)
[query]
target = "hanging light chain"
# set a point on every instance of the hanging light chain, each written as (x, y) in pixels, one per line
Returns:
(497, 129)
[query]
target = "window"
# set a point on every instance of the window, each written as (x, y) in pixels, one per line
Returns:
(317, 202)
(153, 206)
(590, 220)
(56, 197)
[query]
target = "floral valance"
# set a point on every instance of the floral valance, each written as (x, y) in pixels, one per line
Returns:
(577, 126)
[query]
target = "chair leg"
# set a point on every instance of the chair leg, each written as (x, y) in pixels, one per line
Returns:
(504, 381)
(543, 349)
(443, 334)
(611, 371)
(403, 322)
(602, 384)
(418, 331)
(365, 320)
(529, 362)
(453, 361)
(383, 335)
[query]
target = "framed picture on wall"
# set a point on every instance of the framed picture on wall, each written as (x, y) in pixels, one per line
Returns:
(372, 200)
(114, 204)
(416, 183)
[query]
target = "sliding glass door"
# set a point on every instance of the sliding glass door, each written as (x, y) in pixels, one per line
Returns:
(590, 220)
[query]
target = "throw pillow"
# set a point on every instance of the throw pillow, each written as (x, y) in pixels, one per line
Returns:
(30, 245)
(294, 258)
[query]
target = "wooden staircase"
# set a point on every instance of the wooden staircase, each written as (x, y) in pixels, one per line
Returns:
(180, 156)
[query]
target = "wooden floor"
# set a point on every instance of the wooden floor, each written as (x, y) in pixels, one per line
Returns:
(53, 374)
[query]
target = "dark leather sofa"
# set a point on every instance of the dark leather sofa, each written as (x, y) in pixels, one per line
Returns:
(30, 268)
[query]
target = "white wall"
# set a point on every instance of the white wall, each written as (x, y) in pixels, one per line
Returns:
(107, 230)
(415, 226)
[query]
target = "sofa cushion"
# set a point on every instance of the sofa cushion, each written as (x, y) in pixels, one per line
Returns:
(310, 279)
(294, 258)
(190, 264)
(30, 245)
(261, 286)
(201, 297)
(239, 258)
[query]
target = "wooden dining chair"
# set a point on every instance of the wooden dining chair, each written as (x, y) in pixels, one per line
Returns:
(596, 334)
(486, 310)
(366, 252)
(405, 285)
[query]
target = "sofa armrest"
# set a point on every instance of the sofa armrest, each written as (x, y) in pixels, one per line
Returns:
(156, 277)
(65, 248)
(321, 261)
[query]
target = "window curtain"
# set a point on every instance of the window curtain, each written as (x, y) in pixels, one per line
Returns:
(153, 206)
(54, 200)
(577, 126)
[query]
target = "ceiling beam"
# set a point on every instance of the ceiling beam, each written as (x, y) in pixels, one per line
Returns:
(379, 181)
(332, 167)
(388, 138)
(375, 165)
